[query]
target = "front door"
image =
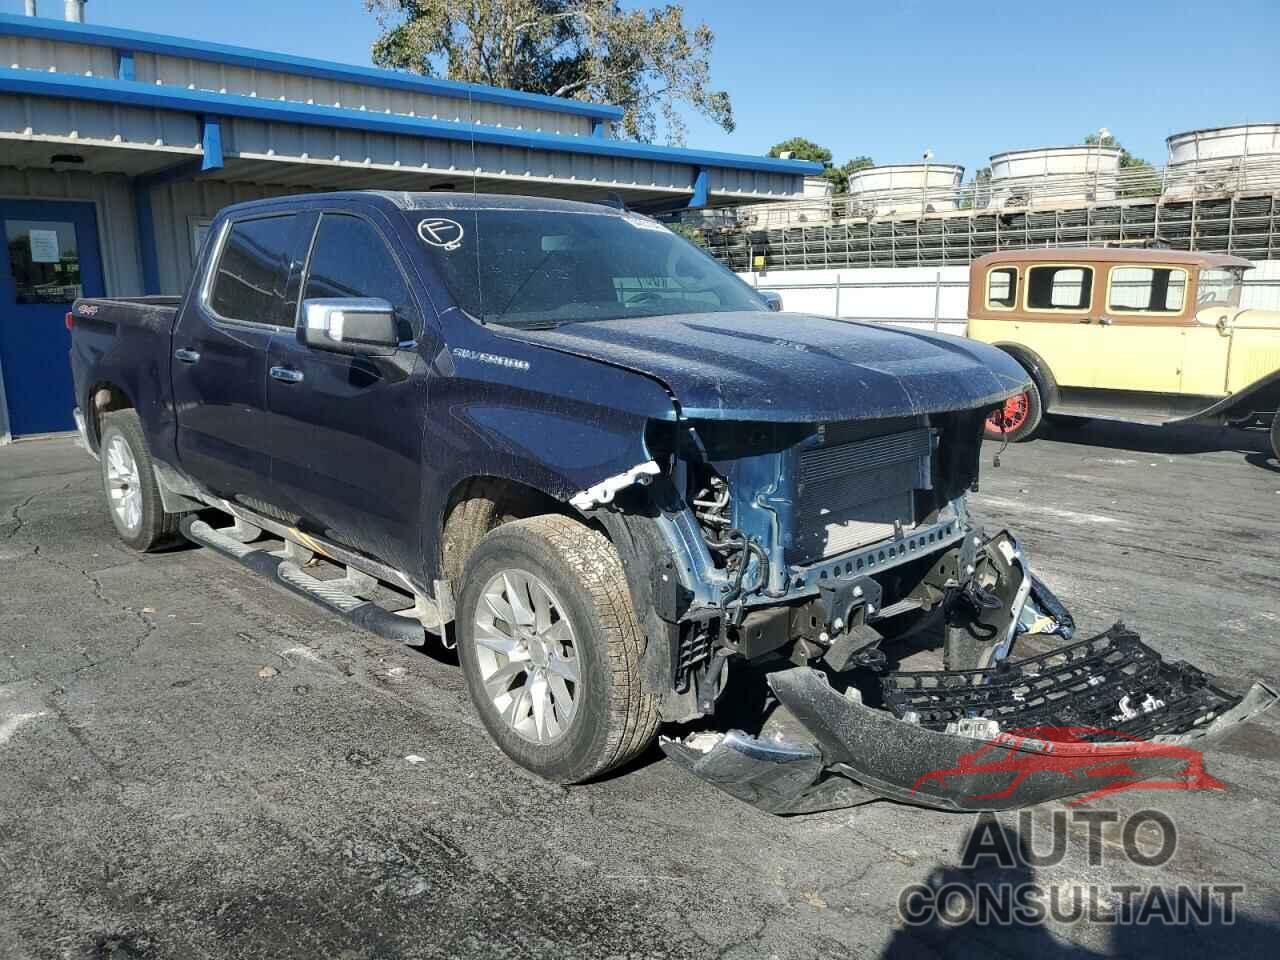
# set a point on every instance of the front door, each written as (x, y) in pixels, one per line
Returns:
(346, 431)
(52, 258)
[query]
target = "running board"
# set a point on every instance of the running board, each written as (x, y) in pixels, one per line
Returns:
(338, 596)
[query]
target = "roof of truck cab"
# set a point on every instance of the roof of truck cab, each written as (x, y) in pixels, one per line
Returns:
(1111, 255)
(437, 200)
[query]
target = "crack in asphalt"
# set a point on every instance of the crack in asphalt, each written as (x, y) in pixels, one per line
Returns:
(15, 515)
(16, 518)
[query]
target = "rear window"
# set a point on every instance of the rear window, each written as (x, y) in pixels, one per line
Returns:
(251, 281)
(1147, 290)
(1002, 288)
(1059, 288)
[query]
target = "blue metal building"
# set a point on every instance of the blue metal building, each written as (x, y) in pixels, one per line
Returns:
(117, 147)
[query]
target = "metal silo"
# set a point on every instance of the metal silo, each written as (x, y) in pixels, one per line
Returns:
(906, 188)
(1075, 174)
(1223, 160)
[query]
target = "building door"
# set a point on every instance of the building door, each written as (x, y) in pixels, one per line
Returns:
(51, 258)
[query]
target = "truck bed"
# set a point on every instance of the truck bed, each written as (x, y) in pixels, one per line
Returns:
(124, 341)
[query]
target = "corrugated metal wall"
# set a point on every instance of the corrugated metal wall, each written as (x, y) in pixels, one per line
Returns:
(54, 118)
(255, 139)
(176, 207)
(61, 57)
(754, 183)
(117, 232)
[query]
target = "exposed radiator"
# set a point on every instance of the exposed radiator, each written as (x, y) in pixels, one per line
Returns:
(852, 494)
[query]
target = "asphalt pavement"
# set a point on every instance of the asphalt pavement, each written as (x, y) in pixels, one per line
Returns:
(195, 763)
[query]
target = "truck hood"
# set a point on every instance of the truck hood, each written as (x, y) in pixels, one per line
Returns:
(793, 367)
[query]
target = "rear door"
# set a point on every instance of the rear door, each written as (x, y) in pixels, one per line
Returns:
(347, 430)
(52, 248)
(1144, 340)
(220, 354)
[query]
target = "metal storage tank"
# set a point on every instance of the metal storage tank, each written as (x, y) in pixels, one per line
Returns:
(906, 188)
(1223, 160)
(813, 210)
(1075, 174)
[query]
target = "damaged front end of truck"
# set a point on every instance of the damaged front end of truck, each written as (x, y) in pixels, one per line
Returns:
(801, 560)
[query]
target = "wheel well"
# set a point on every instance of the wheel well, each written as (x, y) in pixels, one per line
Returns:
(1039, 371)
(480, 504)
(103, 399)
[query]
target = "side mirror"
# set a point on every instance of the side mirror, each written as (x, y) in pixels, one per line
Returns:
(772, 300)
(363, 326)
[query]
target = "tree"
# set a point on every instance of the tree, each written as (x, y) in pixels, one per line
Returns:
(691, 233)
(979, 193)
(1142, 181)
(801, 148)
(646, 61)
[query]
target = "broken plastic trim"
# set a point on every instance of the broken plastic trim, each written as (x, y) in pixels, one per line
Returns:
(779, 775)
(604, 491)
(859, 753)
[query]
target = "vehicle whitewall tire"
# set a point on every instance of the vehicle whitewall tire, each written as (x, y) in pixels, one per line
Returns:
(129, 480)
(550, 646)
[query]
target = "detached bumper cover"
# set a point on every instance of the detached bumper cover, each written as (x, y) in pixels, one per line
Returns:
(858, 754)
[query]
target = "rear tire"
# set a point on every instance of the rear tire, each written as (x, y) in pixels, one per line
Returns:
(129, 481)
(554, 675)
(1021, 415)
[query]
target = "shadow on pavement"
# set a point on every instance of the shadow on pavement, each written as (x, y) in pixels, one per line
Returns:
(1171, 440)
(1214, 936)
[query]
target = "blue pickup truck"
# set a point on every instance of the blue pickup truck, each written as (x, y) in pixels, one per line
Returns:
(628, 489)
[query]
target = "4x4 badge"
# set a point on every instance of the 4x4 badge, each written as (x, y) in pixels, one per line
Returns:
(440, 232)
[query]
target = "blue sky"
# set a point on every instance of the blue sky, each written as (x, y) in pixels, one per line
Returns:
(889, 79)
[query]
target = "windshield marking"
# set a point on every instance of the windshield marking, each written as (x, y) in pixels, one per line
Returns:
(441, 232)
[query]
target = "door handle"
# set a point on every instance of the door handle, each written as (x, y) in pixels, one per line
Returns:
(286, 374)
(187, 356)
(1105, 321)
(1084, 320)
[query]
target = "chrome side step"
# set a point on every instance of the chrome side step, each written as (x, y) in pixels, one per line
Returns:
(347, 597)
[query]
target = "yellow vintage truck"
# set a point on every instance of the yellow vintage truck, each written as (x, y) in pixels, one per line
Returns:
(1152, 336)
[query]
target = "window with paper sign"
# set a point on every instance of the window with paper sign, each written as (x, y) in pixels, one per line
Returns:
(44, 261)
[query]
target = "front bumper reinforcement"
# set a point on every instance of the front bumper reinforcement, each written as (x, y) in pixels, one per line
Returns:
(1099, 716)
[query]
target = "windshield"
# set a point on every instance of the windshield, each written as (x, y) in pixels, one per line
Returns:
(1220, 287)
(536, 268)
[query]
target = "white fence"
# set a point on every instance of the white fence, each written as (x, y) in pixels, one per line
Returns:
(933, 298)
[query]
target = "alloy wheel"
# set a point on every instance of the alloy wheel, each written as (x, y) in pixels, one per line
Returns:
(124, 485)
(528, 656)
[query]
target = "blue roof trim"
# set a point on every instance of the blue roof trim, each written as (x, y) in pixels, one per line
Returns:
(105, 90)
(45, 29)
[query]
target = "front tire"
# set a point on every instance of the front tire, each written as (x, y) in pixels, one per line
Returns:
(129, 480)
(550, 647)
(1021, 416)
